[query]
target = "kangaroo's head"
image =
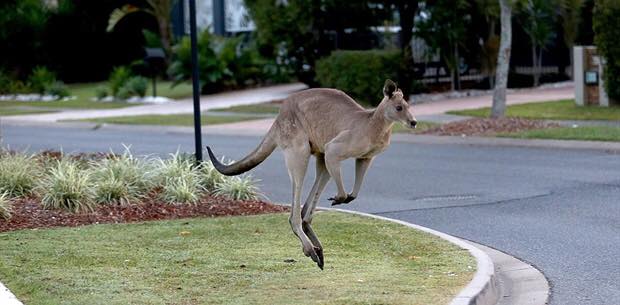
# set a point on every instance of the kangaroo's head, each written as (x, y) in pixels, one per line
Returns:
(395, 107)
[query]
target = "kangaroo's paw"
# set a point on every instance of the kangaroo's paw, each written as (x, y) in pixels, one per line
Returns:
(316, 254)
(341, 200)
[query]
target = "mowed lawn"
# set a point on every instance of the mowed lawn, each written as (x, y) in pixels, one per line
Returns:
(232, 260)
(84, 94)
(583, 133)
(172, 119)
(553, 110)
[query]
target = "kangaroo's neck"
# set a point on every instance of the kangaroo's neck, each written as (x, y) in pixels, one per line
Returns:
(379, 124)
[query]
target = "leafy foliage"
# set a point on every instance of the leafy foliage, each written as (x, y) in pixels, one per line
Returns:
(122, 179)
(118, 78)
(18, 174)
(41, 79)
(359, 73)
(238, 188)
(179, 179)
(6, 209)
(67, 186)
(607, 37)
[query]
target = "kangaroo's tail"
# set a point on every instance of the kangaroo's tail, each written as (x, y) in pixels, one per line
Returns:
(260, 153)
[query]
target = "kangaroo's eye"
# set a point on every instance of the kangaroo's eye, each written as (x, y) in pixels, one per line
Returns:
(399, 108)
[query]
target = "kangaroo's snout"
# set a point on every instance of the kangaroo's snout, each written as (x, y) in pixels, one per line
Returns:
(413, 123)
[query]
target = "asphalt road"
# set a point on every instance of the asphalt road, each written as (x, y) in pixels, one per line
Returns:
(556, 209)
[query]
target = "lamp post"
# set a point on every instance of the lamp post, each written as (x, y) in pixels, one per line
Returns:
(195, 80)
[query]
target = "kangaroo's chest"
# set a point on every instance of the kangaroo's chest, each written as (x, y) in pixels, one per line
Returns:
(376, 147)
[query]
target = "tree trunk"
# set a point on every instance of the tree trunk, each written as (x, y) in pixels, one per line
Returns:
(570, 56)
(503, 61)
(457, 70)
(539, 64)
(534, 65)
(406, 10)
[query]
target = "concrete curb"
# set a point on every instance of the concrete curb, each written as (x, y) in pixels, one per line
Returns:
(7, 297)
(483, 288)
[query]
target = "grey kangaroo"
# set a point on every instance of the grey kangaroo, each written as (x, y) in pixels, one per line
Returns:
(330, 125)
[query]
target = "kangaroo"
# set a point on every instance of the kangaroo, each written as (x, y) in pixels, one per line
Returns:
(330, 125)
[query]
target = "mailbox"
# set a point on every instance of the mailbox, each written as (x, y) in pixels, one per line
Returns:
(155, 62)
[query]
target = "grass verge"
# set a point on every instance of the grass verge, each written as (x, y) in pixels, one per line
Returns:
(171, 120)
(584, 133)
(421, 126)
(84, 93)
(232, 260)
(264, 108)
(553, 110)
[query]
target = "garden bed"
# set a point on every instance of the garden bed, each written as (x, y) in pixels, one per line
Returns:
(29, 214)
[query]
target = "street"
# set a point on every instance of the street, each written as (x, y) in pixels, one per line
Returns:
(558, 210)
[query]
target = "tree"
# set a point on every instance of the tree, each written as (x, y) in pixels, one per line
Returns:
(444, 29)
(606, 23)
(490, 10)
(538, 16)
(503, 60)
(570, 12)
(406, 11)
(298, 32)
(160, 9)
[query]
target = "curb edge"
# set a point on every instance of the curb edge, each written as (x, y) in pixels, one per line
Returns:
(483, 289)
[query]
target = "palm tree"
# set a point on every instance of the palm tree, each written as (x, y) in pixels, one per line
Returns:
(503, 60)
(538, 25)
(160, 9)
(570, 12)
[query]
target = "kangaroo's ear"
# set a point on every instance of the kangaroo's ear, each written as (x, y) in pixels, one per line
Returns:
(389, 87)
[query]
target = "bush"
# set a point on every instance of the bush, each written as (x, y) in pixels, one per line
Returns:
(41, 79)
(137, 85)
(238, 188)
(606, 24)
(179, 179)
(5, 206)
(118, 78)
(67, 186)
(121, 180)
(359, 73)
(18, 174)
(58, 89)
(101, 93)
(209, 176)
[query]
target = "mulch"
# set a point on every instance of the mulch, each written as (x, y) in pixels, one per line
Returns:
(487, 127)
(29, 214)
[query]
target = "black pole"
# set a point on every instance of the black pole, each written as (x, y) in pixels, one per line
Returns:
(219, 23)
(195, 80)
(154, 85)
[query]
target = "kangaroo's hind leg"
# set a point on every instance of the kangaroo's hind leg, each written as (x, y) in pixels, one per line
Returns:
(296, 157)
(320, 181)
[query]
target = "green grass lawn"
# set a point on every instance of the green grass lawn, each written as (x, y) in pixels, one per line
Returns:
(84, 94)
(232, 260)
(171, 119)
(398, 127)
(555, 110)
(585, 133)
(264, 108)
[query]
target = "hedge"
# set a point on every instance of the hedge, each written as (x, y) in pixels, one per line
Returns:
(606, 24)
(360, 74)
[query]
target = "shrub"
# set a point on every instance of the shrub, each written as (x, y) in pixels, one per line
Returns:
(118, 78)
(238, 188)
(58, 89)
(136, 85)
(5, 206)
(359, 73)
(121, 180)
(606, 26)
(18, 174)
(179, 179)
(209, 176)
(211, 69)
(101, 93)
(41, 79)
(67, 186)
